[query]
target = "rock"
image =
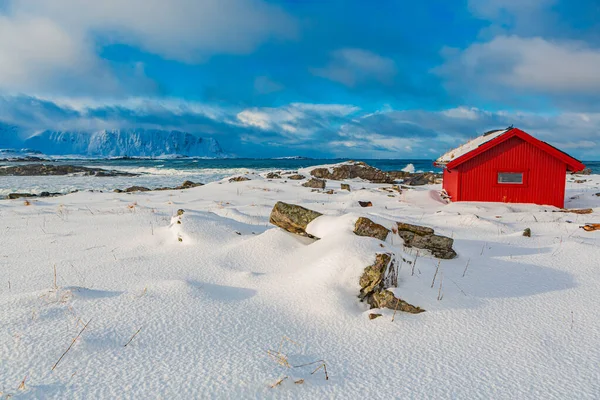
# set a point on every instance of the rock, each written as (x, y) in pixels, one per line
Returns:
(188, 185)
(137, 189)
(585, 171)
(180, 212)
(397, 188)
(351, 170)
(386, 299)
(49, 169)
(314, 183)
(416, 229)
(273, 175)
(345, 186)
(399, 175)
(597, 194)
(13, 196)
(374, 283)
(366, 227)
(527, 232)
(365, 204)
(292, 218)
(296, 177)
(50, 194)
(426, 178)
(238, 179)
(373, 316)
(580, 180)
(119, 191)
(424, 238)
(330, 191)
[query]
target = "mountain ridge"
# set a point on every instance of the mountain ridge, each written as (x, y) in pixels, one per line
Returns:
(135, 142)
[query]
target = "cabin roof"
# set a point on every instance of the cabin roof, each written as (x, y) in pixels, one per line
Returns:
(470, 146)
(490, 139)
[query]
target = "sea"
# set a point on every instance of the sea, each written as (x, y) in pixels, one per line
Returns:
(153, 173)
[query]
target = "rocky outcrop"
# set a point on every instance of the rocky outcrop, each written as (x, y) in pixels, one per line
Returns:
(13, 196)
(238, 179)
(49, 169)
(366, 227)
(424, 238)
(296, 177)
(399, 175)
(189, 185)
(133, 189)
(292, 218)
(345, 186)
(315, 183)
(365, 204)
(585, 171)
(426, 178)
(352, 170)
(273, 175)
(375, 281)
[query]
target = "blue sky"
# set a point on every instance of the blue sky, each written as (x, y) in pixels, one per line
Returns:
(328, 78)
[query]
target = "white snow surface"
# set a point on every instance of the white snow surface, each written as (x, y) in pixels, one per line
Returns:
(123, 142)
(209, 296)
(469, 146)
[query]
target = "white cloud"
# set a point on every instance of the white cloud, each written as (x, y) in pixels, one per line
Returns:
(353, 66)
(309, 129)
(295, 120)
(515, 63)
(43, 41)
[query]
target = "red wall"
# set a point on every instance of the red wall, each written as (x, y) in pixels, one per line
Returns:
(451, 183)
(476, 179)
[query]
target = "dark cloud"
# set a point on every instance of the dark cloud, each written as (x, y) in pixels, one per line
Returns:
(323, 130)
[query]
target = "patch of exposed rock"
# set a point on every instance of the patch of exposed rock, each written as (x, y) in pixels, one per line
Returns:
(296, 177)
(315, 183)
(424, 238)
(273, 175)
(351, 170)
(238, 179)
(375, 281)
(49, 169)
(366, 227)
(345, 186)
(292, 218)
(426, 178)
(585, 171)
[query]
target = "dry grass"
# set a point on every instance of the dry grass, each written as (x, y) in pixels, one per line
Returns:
(133, 337)
(70, 346)
(282, 359)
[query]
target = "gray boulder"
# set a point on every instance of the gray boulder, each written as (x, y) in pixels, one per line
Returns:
(292, 218)
(375, 281)
(13, 196)
(352, 170)
(315, 183)
(238, 179)
(136, 189)
(427, 178)
(424, 238)
(366, 227)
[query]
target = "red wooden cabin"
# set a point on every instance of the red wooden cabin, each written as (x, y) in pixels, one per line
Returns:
(508, 166)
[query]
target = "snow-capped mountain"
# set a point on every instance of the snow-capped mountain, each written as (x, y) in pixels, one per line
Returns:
(123, 142)
(9, 136)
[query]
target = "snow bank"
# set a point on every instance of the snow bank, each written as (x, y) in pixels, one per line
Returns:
(509, 318)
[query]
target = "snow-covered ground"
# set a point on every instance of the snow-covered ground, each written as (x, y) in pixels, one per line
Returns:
(201, 302)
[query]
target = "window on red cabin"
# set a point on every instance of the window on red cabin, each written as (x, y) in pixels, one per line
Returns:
(511, 178)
